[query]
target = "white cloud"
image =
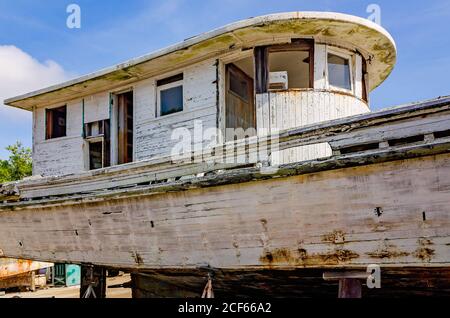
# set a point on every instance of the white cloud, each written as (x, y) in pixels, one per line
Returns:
(20, 73)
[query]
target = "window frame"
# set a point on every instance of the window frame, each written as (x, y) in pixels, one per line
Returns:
(167, 86)
(345, 55)
(46, 128)
(94, 140)
(262, 65)
(297, 45)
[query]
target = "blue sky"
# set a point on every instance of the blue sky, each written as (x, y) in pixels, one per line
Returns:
(37, 49)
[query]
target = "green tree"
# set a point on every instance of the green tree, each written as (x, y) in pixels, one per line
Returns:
(19, 164)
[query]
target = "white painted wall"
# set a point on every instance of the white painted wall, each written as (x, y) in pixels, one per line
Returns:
(62, 155)
(152, 134)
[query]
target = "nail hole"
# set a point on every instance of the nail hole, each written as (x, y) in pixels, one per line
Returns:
(424, 216)
(20, 244)
(152, 224)
(76, 232)
(378, 211)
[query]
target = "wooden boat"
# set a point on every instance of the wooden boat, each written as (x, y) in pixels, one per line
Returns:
(317, 183)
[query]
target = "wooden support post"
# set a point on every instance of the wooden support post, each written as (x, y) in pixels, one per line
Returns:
(208, 291)
(350, 288)
(33, 281)
(349, 283)
(93, 282)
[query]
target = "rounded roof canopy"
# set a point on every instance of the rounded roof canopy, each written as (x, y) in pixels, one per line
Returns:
(353, 32)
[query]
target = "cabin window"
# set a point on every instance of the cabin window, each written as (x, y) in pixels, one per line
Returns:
(170, 95)
(96, 154)
(98, 136)
(284, 67)
(339, 72)
(56, 122)
(288, 70)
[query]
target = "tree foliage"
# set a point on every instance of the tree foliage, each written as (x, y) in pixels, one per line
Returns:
(19, 164)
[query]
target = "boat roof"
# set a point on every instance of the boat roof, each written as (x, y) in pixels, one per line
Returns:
(366, 36)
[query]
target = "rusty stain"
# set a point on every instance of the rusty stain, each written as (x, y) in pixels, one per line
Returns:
(387, 253)
(302, 258)
(336, 237)
(340, 256)
(12, 267)
(425, 242)
(425, 254)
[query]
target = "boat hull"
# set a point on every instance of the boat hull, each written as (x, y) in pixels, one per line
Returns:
(394, 214)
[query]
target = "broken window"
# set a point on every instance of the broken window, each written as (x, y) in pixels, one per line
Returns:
(56, 119)
(96, 155)
(339, 72)
(283, 67)
(170, 95)
(99, 144)
(288, 70)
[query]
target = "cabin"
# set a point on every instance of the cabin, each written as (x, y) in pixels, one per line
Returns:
(250, 78)
(245, 159)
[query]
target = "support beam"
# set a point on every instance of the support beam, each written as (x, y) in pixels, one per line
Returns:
(350, 285)
(93, 282)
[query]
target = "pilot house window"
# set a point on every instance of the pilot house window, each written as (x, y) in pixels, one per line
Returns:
(339, 73)
(170, 95)
(285, 67)
(56, 122)
(289, 70)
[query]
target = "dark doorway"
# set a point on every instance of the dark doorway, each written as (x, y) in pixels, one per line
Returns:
(125, 127)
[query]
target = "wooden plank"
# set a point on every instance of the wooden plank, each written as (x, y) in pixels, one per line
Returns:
(320, 57)
(276, 223)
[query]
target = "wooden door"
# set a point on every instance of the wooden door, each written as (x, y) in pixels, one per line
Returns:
(240, 100)
(125, 127)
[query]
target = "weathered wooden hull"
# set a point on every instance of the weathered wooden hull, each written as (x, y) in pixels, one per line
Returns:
(392, 214)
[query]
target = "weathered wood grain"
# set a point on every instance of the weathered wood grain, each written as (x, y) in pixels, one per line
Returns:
(299, 108)
(318, 220)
